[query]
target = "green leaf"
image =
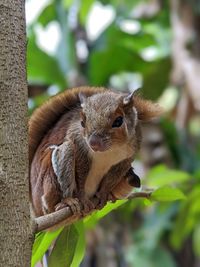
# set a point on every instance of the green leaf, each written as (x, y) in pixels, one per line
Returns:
(64, 248)
(107, 50)
(68, 249)
(99, 69)
(196, 240)
(161, 176)
(167, 193)
(38, 239)
(84, 10)
(171, 136)
(187, 218)
(147, 202)
(156, 77)
(140, 42)
(67, 3)
(80, 246)
(92, 220)
(42, 242)
(109, 207)
(41, 67)
(48, 14)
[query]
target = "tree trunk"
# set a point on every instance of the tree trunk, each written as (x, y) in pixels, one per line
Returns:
(15, 227)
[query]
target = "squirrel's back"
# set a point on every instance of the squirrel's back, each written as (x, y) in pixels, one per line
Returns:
(46, 116)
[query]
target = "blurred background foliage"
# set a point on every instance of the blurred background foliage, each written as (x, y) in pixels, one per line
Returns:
(125, 45)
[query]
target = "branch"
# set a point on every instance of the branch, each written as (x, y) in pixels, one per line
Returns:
(65, 215)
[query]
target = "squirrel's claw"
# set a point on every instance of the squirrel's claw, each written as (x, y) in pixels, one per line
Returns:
(101, 198)
(87, 206)
(72, 203)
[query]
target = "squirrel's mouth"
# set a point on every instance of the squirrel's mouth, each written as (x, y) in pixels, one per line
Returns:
(97, 144)
(98, 149)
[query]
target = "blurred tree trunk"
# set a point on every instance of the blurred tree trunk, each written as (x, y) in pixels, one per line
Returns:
(15, 229)
(185, 20)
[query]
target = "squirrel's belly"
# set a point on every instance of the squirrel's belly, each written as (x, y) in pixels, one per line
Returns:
(94, 178)
(101, 164)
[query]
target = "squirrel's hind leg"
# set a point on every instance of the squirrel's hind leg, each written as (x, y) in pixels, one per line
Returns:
(51, 196)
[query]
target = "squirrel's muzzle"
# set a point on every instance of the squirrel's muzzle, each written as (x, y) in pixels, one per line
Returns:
(96, 143)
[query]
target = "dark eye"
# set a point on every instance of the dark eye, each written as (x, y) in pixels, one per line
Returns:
(83, 124)
(118, 122)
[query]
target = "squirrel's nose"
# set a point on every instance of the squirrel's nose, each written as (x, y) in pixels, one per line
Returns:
(96, 143)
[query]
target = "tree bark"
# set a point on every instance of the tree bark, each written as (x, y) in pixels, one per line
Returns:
(15, 225)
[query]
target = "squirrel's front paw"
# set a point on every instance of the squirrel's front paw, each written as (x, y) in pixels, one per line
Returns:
(87, 206)
(102, 198)
(72, 203)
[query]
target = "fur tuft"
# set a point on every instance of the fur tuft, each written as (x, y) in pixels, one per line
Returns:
(146, 109)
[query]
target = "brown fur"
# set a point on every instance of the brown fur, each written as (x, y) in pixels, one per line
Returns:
(45, 117)
(57, 121)
(122, 189)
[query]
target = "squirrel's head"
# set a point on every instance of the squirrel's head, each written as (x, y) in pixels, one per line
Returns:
(109, 119)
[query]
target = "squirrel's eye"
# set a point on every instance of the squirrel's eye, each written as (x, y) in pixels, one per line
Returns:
(118, 122)
(83, 124)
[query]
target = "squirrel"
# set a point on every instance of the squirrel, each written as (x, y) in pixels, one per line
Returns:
(81, 146)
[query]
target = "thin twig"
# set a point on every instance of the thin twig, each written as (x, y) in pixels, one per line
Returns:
(49, 220)
(65, 214)
(140, 195)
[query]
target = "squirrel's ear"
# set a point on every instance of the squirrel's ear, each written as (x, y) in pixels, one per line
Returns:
(128, 100)
(82, 98)
(146, 109)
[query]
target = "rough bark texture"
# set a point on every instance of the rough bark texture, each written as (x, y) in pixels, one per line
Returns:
(15, 228)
